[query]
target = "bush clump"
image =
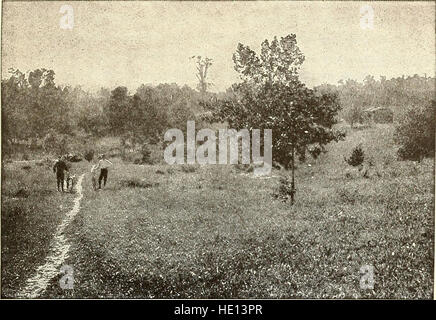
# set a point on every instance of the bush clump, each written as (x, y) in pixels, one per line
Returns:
(284, 191)
(188, 168)
(22, 193)
(137, 183)
(357, 157)
(89, 155)
(146, 154)
(416, 133)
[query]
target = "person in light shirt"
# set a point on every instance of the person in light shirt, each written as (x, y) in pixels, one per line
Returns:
(103, 165)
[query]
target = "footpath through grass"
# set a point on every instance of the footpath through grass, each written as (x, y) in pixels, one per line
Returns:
(31, 211)
(216, 232)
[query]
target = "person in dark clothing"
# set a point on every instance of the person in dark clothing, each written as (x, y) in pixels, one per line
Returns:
(59, 167)
(103, 176)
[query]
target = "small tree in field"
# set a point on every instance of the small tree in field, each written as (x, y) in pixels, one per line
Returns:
(416, 133)
(356, 158)
(271, 96)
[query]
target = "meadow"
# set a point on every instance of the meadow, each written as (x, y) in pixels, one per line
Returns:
(179, 231)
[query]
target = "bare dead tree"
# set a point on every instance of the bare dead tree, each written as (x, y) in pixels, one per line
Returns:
(202, 65)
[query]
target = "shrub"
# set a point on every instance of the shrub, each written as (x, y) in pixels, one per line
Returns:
(128, 156)
(416, 133)
(356, 158)
(89, 155)
(142, 156)
(284, 191)
(22, 193)
(137, 183)
(347, 196)
(244, 167)
(188, 168)
(74, 158)
(146, 153)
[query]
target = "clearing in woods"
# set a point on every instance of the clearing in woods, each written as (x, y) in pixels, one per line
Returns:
(164, 231)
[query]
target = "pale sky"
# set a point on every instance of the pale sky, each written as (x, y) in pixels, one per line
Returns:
(130, 43)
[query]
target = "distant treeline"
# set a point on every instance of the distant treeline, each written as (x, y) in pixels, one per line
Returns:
(397, 93)
(33, 106)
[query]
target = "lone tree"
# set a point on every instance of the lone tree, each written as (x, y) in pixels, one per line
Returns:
(357, 157)
(271, 96)
(202, 65)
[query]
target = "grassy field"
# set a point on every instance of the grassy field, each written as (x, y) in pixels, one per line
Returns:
(165, 231)
(31, 211)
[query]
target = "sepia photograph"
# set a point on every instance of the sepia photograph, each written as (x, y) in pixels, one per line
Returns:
(266, 150)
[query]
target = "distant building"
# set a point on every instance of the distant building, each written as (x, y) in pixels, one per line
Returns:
(378, 115)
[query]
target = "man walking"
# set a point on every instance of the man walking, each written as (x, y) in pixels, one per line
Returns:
(60, 167)
(103, 165)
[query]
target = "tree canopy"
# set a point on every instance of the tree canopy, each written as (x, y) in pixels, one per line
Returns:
(271, 96)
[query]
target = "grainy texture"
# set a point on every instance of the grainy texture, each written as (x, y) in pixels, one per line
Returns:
(346, 211)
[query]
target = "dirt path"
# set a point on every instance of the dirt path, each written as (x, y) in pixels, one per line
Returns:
(59, 247)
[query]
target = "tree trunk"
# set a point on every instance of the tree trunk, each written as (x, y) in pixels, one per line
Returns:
(293, 176)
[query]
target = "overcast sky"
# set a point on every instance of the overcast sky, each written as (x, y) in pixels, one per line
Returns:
(130, 43)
